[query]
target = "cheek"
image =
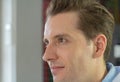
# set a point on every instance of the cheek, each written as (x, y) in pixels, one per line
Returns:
(66, 53)
(71, 54)
(74, 62)
(67, 56)
(71, 57)
(80, 57)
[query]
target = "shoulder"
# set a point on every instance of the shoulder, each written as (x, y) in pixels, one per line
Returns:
(117, 77)
(117, 68)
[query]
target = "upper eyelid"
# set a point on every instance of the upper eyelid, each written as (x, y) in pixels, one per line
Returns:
(61, 36)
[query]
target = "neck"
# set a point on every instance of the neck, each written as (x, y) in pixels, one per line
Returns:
(101, 71)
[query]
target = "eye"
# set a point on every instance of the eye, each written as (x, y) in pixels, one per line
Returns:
(61, 40)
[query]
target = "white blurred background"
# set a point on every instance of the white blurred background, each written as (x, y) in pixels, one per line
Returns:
(20, 41)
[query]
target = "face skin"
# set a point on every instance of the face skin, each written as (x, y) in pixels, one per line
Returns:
(69, 55)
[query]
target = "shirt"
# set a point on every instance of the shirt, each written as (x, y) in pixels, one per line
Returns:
(113, 74)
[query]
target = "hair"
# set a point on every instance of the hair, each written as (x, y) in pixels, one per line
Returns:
(94, 18)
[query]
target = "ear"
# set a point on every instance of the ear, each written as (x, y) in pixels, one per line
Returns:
(100, 42)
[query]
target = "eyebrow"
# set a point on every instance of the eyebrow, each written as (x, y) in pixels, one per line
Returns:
(58, 36)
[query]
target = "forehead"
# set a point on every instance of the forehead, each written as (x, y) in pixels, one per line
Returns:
(63, 23)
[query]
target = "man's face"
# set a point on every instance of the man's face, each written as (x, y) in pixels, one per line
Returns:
(68, 53)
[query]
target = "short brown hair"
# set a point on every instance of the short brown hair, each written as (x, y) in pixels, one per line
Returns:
(94, 18)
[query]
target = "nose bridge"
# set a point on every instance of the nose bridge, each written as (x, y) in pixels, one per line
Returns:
(50, 53)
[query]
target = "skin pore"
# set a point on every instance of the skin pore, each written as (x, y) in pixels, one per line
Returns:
(70, 56)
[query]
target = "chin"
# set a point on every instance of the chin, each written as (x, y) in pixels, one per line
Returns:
(59, 79)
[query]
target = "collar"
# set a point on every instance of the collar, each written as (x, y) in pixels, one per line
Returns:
(111, 73)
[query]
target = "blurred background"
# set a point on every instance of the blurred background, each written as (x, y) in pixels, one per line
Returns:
(21, 32)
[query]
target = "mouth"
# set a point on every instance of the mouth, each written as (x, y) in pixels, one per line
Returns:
(56, 69)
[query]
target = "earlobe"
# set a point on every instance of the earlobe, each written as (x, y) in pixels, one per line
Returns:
(100, 42)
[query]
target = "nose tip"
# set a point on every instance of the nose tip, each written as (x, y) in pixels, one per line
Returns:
(50, 54)
(44, 58)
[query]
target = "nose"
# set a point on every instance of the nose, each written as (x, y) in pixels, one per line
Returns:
(50, 53)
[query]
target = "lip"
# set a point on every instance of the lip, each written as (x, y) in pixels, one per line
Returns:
(56, 69)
